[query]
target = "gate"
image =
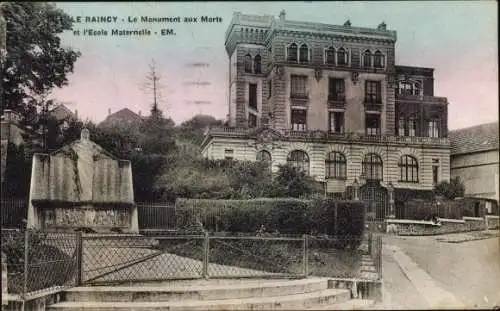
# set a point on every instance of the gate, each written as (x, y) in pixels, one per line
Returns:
(376, 196)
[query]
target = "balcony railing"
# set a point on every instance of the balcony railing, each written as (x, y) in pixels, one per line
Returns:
(332, 136)
(373, 106)
(421, 98)
(336, 102)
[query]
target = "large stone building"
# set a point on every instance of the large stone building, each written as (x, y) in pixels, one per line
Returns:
(330, 100)
(474, 158)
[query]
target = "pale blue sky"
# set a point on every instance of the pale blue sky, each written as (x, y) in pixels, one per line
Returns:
(458, 39)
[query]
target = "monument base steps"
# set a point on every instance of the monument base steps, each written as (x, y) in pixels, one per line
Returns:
(310, 293)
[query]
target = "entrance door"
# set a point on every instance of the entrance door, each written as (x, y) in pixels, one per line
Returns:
(376, 196)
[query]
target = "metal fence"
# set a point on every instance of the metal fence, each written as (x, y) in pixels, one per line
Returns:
(13, 212)
(39, 262)
(156, 215)
(114, 259)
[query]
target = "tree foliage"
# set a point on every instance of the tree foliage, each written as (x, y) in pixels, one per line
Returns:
(36, 62)
(450, 190)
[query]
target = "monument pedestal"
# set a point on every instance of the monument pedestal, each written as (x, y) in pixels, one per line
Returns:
(82, 187)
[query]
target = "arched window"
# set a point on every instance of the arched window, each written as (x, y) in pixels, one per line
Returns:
(367, 59)
(336, 166)
(416, 88)
(330, 56)
(264, 157)
(372, 167)
(408, 167)
(304, 53)
(341, 57)
(378, 60)
(298, 159)
(292, 52)
(257, 66)
(248, 63)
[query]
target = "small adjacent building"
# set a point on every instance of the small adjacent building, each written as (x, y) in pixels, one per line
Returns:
(123, 116)
(475, 159)
(330, 100)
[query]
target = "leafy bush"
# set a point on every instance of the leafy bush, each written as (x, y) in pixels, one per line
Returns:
(450, 190)
(343, 219)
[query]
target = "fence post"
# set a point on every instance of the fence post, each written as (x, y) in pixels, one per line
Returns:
(304, 254)
(26, 266)
(206, 255)
(79, 257)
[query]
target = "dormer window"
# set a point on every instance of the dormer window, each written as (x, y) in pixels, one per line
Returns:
(257, 64)
(304, 53)
(292, 52)
(342, 57)
(330, 56)
(378, 60)
(248, 63)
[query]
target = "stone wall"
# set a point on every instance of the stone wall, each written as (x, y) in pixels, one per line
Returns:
(422, 227)
(492, 222)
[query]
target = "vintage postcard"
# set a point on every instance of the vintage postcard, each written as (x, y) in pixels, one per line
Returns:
(249, 155)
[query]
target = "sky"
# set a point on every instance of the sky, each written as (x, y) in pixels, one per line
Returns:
(458, 39)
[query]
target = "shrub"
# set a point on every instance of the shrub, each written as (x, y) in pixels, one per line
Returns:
(343, 219)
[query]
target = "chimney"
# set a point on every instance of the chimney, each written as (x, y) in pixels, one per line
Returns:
(140, 113)
(109, 111)
(382, 26)
(282, 15)
(76, 113)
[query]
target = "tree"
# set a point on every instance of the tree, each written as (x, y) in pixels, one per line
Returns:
(294, 182)
(450, 190)
(35, 61)
(153, 87)
(194, 128)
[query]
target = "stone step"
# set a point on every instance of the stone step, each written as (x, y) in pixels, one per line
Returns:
(287, 302)
(353, 304)
(247, 289)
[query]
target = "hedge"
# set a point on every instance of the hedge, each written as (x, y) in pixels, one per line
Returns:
(285, 215)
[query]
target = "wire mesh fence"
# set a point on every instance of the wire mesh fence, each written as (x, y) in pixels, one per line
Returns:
(38, 262)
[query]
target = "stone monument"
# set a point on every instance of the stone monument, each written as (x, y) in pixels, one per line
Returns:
(79, 187)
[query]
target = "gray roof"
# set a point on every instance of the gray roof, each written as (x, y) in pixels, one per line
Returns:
(477, 138)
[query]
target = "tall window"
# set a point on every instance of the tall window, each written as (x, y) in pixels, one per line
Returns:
(336, 166)
(367, 59)
(298, 86)
(252, 96)
(435, 171)
(408, 167)
(433, 126)
(299, 120)
(304, 53)
(257, 64)
(373, 92)
(299, 160)
(336, 89)
(401, 126)
(378, 60)
(405, 88)
(248, 63)
(342, 57)
(412, 126)
(336, 122)
(372, 124)
(252, 120)
(292, 53)
(270, 87)
(372, 167)
(264, 157)
(330, 56)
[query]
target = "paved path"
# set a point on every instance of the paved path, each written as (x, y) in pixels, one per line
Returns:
(466, 274)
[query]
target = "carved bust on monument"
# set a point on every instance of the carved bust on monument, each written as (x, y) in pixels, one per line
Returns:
(82, 186)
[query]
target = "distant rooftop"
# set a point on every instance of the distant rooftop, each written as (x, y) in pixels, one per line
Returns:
(483, 137)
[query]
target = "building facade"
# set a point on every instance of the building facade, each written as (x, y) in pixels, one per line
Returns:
(331, 101)
(123, 116)
(474, 158)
